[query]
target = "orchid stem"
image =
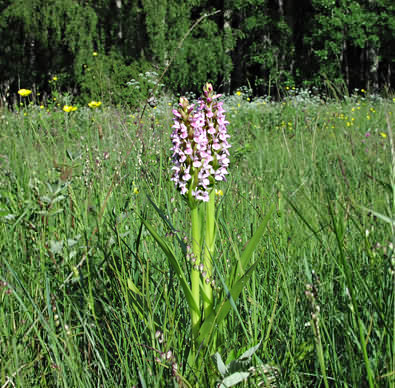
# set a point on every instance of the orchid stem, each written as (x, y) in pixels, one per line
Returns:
(195, 275)
(208, 254)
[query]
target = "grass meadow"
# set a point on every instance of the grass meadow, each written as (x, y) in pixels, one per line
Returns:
(88, 299)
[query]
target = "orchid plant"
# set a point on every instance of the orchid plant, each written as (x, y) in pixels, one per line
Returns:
(200, 155)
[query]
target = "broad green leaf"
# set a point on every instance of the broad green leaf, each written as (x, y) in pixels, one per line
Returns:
(175, 265)
(220, 364)
(234, 379)
(240, 364)
(248, 353)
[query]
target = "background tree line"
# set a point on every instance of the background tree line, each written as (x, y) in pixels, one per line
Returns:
(263, 44)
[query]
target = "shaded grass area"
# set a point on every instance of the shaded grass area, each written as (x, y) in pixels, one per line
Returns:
(88, 299)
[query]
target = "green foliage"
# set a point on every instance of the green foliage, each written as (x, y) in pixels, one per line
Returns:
(204, 54)
(265, 42)
(109, 79)
(267, 45)
(203, 57)
(240, 370)
(88, 296)
(346, 39)
(47, 38)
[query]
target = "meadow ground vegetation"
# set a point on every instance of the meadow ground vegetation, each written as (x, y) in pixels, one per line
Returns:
(88, 297)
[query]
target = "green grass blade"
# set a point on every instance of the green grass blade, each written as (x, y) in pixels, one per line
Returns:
(338, 227)
(220, 313)
(381, 216)
(168, 223)
(252, 244)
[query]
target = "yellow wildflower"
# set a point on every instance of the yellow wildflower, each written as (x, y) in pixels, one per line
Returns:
(238, 93)
(382, 134)
(94, 54)
(24, 92)
(94, 104)
(69, 108)
(54, 78)
(219, 193)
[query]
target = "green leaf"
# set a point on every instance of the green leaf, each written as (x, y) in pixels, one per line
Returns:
(220, 364)
(248, 353)
(234, 379)
(240, 364)
(56, 247)
(133, 288)
(175, 265)
(7, 215)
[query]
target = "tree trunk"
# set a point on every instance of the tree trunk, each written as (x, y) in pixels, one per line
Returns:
(227, 31)
(119, 6)
(344, 60)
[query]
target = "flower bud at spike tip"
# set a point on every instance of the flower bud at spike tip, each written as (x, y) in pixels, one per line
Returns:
(200, 146)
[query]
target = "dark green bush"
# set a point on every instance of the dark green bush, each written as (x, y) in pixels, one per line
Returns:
(109, 79)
